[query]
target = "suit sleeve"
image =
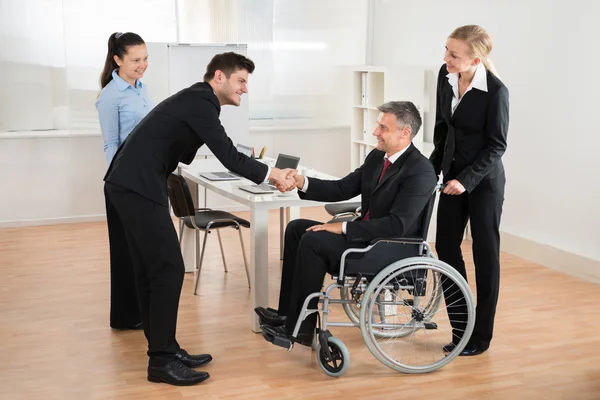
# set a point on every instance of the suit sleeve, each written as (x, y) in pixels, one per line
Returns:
(205, 123)
(339, 190)
(496, 131)
(410, 200)
(342, 189)
(440, 129)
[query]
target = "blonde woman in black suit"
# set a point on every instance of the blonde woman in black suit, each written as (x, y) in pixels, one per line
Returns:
(470, 139)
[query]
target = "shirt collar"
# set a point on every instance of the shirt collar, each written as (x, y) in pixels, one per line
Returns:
(120, 82)
(479, 79)
(394, 157)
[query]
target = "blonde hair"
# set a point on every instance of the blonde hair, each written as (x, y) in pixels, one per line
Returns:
(479, 41)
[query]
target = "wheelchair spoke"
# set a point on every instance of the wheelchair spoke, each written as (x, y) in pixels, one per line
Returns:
(412, 332)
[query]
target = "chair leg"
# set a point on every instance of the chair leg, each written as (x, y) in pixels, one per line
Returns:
(222, 252)
(245, 260)
(200, 261)
(181, 231)
(197, 253)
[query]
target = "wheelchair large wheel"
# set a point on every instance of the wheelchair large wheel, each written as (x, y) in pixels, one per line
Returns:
(386, 305)
(337, 362)
(419, 327)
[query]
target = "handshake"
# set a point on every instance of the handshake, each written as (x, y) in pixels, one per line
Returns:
(286, 179)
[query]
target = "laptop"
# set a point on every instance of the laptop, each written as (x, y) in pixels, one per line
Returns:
(228, 175)
(283, 161)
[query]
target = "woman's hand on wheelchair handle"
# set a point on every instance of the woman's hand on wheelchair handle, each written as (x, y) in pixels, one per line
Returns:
(454, 187)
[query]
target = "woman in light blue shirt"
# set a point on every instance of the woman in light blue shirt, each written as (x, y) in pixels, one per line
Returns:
(124, 100)
(122, 104)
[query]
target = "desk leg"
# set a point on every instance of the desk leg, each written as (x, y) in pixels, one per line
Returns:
(188, 247)
(283, 220)
(259, 256)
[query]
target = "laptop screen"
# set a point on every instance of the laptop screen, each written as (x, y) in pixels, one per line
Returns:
(286, 161)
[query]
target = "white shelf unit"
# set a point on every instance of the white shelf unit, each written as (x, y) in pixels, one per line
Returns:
(371, 87)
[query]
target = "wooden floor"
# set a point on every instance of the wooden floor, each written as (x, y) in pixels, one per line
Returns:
(56, 343)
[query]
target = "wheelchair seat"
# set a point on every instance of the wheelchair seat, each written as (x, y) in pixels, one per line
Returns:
(380, 256)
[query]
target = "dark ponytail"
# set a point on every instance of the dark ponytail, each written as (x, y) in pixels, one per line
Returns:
(118, 43)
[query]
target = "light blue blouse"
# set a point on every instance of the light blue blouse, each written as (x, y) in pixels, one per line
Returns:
(120, 108)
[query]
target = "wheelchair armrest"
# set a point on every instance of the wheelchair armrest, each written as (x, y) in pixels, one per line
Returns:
(340, 208)
(398, 240)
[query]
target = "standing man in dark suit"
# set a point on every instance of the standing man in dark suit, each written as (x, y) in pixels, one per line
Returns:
(395, 183)
(136, 198)
(470, 139)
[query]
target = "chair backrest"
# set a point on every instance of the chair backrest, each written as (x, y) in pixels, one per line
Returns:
(180, 196)
(427, 213)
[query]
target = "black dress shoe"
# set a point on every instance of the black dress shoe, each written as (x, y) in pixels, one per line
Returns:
(471, 350)
(193, 361)
(270, 332)
(449, 347)
(175, 373)
(136, 327)
(269, 317)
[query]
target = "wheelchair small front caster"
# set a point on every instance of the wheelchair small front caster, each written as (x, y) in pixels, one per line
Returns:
(334, 359)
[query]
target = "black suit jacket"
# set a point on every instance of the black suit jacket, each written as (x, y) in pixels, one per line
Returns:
(395, 204)
(478, 128)
(171, 133)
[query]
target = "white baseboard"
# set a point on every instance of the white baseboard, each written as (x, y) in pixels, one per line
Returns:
(551, 257)
(53, 221)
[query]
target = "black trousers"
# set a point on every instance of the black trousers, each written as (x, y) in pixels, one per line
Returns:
(124, 307)
(157, 263)
(307, 258)
(483, 207)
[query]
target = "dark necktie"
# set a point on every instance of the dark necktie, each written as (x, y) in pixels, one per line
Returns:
(386, 165)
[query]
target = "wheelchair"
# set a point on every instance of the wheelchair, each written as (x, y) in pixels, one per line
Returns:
(393, 290)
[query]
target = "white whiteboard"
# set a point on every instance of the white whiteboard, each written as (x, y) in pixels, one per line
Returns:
(173, 67)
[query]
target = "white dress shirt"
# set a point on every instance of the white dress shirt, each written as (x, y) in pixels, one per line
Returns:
(479, 82)
(393, 158)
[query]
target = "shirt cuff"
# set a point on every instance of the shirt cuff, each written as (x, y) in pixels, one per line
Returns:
(268, 174)
(304, 188)
(344, 227)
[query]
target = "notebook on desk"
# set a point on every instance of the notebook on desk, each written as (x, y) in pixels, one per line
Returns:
(283, 161)
(227, 175)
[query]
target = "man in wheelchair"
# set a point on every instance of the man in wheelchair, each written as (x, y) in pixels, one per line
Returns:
(395, 183)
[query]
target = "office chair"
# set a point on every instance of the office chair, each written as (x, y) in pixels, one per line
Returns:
(202, 219)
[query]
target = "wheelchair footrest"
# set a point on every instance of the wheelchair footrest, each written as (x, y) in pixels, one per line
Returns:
(284, 342)
(277, 340)
(430, 325)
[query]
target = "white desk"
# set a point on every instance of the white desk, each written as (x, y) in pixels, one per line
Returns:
(259, 206)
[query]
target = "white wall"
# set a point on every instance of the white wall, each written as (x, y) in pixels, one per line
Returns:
(51, 180)
(545, 52)
(32, 66)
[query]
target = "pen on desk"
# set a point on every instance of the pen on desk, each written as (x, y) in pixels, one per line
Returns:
(253, 154)
(262, 152)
